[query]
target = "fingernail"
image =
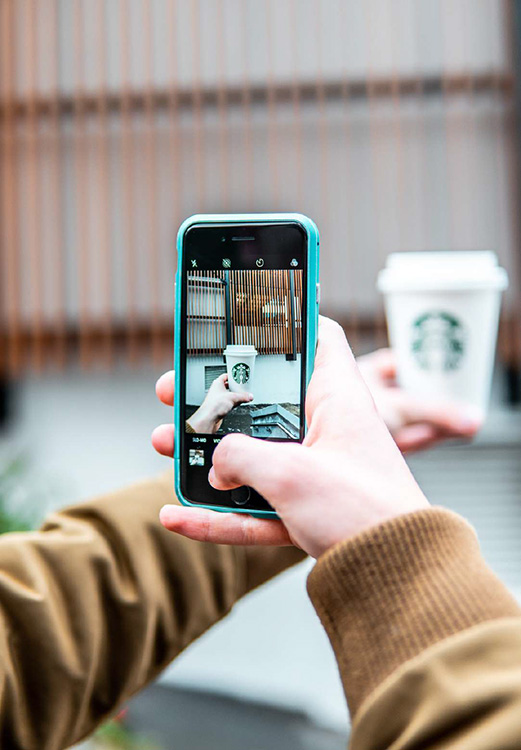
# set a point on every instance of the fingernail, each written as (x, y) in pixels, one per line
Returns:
(211, 476)
(471, 419)
(166, 512)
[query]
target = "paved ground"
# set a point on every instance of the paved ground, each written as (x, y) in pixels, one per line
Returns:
(176, 719)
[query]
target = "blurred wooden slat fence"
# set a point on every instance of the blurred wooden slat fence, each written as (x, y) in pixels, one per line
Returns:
(394, 125)
(261, 311)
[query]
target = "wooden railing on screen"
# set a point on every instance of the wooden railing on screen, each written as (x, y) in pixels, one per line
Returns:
(262, 308)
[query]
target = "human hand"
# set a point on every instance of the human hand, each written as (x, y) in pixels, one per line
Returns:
(414, 423)
(218, 402)
(346, 477)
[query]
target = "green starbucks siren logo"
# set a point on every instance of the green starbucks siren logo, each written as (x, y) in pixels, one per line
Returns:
(438, 341)
(241, 373)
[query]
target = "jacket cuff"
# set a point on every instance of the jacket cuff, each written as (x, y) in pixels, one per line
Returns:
(392, 591)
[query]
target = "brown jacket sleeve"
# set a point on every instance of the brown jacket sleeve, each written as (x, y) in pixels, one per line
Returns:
(95, 604)
(427, 639)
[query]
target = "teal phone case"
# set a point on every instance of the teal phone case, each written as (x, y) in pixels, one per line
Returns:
(312, 321)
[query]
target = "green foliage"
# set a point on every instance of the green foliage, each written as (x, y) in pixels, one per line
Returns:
(20, 505)
(115, 736)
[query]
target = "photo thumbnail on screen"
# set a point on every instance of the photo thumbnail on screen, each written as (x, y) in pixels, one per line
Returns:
(244, 353)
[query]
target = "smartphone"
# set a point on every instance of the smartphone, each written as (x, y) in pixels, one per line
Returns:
(247, 297)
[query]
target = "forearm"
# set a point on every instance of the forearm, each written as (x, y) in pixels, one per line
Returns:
(98, 602)
(398, 599)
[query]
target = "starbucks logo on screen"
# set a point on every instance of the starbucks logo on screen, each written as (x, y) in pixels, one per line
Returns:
(241, 373)
(438, 341)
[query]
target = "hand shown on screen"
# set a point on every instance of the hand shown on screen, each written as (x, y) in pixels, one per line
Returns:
(218, 402)
(414, 423)
(347, 476)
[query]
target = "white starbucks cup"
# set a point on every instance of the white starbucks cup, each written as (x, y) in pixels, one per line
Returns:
(442, 313)
(240, 365)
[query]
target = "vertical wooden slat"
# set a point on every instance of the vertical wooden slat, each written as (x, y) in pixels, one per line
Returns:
(104, 197)
(378, 177)
(398, 142)
(32, 201)
(197, 309)
(273, 154)
(222, 106)
(173, 108)
(198, 127)
(237, 309)
(232, 297)
(349, 281)
(276, 322)
(262, 322)
(269, 301)
(249, 170)
(298, 287)
(128, 184)
(211, 313)
(240, 316)
(82, 233)
(280, 312)
(420, 132)
(57, 255)
(511, 32)
(174, 182)
(295, 97)
(151, 184)
(253, 310)
(256, 321)
(451, 143)
(222, 308)
(10, 233)
(322, 124)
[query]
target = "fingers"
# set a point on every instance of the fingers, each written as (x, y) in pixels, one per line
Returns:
(223, 528)
(165, 388)
(454, 419)
(241, 398)
(239, 460)
(380, 364)
(416, 437)
(163, 439)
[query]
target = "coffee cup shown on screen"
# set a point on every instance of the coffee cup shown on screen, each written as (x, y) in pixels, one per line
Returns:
(442, 313)
(240, 366)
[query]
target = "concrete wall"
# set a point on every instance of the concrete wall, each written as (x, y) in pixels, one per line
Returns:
(276, 380)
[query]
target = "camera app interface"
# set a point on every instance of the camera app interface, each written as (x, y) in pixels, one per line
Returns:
(244, 336)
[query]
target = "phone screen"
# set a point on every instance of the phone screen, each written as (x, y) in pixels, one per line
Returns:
(243, 339)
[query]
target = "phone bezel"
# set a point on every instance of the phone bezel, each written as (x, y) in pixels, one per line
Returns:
(311, 320)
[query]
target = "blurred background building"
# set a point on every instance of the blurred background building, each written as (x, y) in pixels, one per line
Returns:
(392, 124)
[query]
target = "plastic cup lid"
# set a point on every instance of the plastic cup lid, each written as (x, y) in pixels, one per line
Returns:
(440, 270)
(240, 349)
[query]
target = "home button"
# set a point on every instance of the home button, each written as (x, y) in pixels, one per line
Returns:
(241, 495)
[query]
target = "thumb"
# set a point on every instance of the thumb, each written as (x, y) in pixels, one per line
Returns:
(240, 460)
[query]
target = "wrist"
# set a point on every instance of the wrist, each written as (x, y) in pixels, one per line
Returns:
(392, 591)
